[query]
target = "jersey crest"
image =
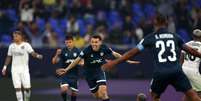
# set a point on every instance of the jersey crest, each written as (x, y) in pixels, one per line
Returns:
(75, 54)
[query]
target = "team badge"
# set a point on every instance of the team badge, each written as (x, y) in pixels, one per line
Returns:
(74, 54)
(81, 53)
(66, 54)
(92, 55)
(101, 54)
(22, 47)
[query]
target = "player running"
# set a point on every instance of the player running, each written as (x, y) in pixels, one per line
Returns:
(191, 63)
(70, 80)
(165, 48)
(94, 57)
(19, 52)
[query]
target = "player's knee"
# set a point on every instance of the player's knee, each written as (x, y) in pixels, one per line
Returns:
(64, 89)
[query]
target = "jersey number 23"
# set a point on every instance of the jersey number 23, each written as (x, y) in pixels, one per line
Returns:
(169, 44)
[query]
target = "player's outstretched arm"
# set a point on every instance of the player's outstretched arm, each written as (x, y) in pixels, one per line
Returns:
(118, 55)
(36, 55)
(123, 58)
(81, 63)
(191, 51)
(72, 65)
(7, 62)
(56, 58)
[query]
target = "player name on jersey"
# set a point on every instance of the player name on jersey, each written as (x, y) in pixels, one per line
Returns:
(164, 36)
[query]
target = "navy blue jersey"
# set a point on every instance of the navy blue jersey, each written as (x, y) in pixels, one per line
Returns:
(93, 60)
(68, 56)
(165, 48)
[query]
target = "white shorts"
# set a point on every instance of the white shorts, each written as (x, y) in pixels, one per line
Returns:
(194, 78)
(21, 79)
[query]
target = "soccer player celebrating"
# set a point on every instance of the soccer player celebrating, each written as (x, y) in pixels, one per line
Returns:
(66, 56)
(94, 57)
(165, 48)
(191, 63)
(19, 52)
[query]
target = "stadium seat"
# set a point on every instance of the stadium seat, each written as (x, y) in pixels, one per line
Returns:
(54, 23)
(184, 35)
(41, 23)
(89, 20)
(149, 10)
(113, 16)
(11, 13)
(6, 39)
(82, 27)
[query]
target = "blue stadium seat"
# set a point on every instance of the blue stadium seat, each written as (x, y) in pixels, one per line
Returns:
(11, 13)
(149, 10)
(59, 32)
(184, 35)
(113, 16)
(137, 10)
(6, 39)
(54, 23)
(138, 13)
(89, 20)
(41, 23)
(82, 27)
(63, 23)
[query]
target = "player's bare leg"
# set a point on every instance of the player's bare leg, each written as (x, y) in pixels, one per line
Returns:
(102, 93)
(155, 97)
(27, 94)
(64, 89)
(192, 95)
(19, 94)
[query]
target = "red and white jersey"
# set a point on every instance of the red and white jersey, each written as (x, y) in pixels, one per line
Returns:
(20, 56)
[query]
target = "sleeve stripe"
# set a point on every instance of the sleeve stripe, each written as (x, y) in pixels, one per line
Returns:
(140, 47)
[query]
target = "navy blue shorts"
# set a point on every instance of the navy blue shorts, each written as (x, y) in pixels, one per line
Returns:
(95, 81)
(178, 80)
(72, 82)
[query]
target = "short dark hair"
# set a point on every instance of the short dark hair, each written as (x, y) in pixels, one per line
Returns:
(69, 37)
(161, 19)
(21, 34)
(97, 37)
(18, 32)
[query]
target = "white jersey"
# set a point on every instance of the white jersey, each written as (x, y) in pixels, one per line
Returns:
(192, 62)
(20, 56)
(191, 66)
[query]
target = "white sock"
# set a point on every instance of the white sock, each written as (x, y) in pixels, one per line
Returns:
(27, 94)
(19, 95)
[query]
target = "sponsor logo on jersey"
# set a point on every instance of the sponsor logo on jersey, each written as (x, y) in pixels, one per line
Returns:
(96, 61)
(81, 53)
(22, 47)
(69, 61)
(75, 54)
(101, 54)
